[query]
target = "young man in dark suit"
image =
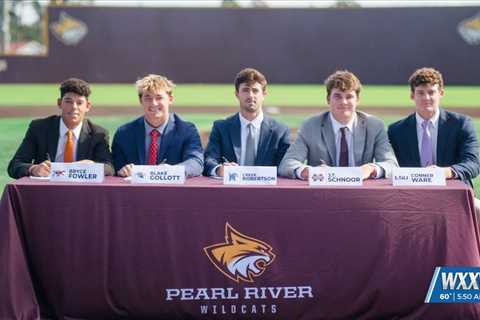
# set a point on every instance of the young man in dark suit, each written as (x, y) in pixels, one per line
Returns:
(65, 138)
(434, 137)
(248, 137)
(158, 136)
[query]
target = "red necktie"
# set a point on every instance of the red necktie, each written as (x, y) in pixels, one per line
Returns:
(153, 149)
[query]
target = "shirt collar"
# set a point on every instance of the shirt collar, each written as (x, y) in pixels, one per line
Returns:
(64, 129)
(257, 122)
(433, 120)
(149, 128)
(337, 125)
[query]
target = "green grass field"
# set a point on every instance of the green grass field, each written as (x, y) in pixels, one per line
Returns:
(221, 95)
(12, 130)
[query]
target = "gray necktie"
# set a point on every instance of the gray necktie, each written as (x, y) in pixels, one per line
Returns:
(250, 147)
(426, 154)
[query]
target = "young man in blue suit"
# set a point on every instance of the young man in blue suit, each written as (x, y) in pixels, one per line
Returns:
(158, 136)
(249, 137)
(435, 137)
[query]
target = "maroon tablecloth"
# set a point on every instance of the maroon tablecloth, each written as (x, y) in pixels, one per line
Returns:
(116, 250)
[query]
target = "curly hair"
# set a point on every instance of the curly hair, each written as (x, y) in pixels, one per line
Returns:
(425, 76)
(343, 80)
(78, 86)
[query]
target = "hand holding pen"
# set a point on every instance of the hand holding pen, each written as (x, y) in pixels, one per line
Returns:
(224, 163)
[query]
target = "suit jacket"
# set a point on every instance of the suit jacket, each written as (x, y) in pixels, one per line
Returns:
(179, 145)
(42, 138)
(225, 142)
(457, 144)
(315, 143)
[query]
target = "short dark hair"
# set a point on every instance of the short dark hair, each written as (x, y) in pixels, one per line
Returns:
(78, 86)
(250, 76)
(343, 80)
(425, 76)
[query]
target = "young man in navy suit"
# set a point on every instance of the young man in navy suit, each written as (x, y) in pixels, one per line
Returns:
(249, 137)
(158, 136)
(434, 137)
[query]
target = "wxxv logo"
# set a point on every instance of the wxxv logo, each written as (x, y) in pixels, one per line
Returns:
(454, 285)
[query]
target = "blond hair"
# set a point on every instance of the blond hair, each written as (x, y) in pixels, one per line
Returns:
(154, 83)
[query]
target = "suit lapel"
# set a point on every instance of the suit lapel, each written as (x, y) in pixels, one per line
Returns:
(52, 138)
(83, 144)
(235, 136)
(167, 138)
(139, 133)
(264, 140)
(328, 137)
(359, 138)
(442, 137)
(412, 139)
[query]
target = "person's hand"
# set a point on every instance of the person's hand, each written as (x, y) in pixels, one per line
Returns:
(449, 174)
(126, 171)
(305, 173)
(368, 171)
(41, 169)
(220, 169)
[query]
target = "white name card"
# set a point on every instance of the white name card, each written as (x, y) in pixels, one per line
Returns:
(335, 176)
(77, 172)
(161, 174)
(250, 175)
(418, 177)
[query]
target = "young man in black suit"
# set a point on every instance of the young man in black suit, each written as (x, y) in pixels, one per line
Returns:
(67, 137)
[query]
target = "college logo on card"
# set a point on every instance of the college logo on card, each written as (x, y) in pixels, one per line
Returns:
(68, 29)
(233, 176)
(59, 173)
(469, 30)
(240, 257)
(318, 177)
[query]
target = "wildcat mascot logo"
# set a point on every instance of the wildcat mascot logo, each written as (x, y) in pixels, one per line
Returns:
(241, 257)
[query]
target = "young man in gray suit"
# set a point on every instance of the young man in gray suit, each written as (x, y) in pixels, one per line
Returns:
(341, 137)
(249, 137)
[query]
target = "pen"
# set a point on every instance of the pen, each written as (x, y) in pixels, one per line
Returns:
(48, 157)
(163, 161)
(224, 159)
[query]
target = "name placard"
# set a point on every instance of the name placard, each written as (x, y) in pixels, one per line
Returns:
(250, 175)
(77, 172)
(418, 177)
(335, 176)
(161, 174)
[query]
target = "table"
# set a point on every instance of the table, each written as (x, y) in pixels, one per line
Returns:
(116, 250)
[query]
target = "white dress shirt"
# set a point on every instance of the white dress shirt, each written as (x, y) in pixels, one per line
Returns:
(433, 126)
(256, 125)
(62, 140)
(148, 138)
(338, 138)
